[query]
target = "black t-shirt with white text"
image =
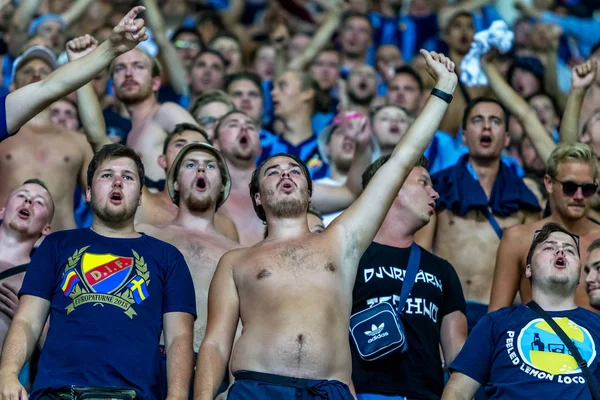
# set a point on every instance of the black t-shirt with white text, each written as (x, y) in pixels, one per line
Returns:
(437, 292)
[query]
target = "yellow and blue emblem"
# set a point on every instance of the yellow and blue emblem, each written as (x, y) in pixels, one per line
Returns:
(105, 273)
(542, 349)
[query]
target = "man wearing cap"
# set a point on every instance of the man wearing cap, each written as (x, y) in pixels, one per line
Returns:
(158, 208)
(198, 183)
(42, 150)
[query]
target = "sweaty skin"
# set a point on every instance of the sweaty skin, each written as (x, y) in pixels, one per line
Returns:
(57, 157)
(202, 251)
(512, 259)
(470, 244)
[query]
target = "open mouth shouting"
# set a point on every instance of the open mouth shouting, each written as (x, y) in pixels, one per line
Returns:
(116, 198)
(485, 141)
(201, 184)
(24, 213)
(560, 262)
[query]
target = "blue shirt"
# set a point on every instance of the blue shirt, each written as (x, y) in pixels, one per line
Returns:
(586, 31)
(3, 125)
(108, 297)
(514, 354)
(307, 151)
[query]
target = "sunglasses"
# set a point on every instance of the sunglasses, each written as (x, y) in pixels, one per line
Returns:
(186, 44)
(570, 188)
(207, 121)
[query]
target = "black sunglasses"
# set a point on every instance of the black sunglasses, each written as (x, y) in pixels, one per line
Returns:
(570, 188)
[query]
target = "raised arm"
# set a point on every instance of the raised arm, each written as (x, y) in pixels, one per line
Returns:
(19, 24)
(222, 321)
(26, 102)
(88, 106)
(518, 107)
(548, 43)
(172, 61)
(357, 226)
(171, 114)
(448, 11)
(75, 11)
(21, 339)
(582, 77)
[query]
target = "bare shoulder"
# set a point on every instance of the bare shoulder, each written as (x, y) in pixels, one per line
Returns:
(523, 233)
(169, 109)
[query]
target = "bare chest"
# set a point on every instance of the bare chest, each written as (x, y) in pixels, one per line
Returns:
(146, 138)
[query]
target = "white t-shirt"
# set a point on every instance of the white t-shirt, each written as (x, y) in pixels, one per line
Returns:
(329, 217)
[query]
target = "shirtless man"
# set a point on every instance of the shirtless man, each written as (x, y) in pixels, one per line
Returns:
(479, 185)
(293, 290)
(136, 79)
(42, 150)
(237, 137)
(571, 175)
(26, 217)
(158, 208)
(199, 184)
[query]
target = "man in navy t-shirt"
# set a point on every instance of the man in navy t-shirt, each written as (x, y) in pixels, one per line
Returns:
(109, 292)
(513, 353)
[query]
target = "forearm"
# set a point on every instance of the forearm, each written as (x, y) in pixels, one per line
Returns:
(180, 365)
(76, 11)
(319, 40)
(18, 346)
(569, 125)
(360, 162)
(91, 117)
(174, 66)
(232, 15)
(551, 81)
(468, 6)
(453, 393)
(20, 23)
(421, 132)
(584, 30)
(210, 371)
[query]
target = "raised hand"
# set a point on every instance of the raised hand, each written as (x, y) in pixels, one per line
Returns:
(80, 47)
(441, 69)
(583, 75)
(357, 127)
(9, 299)
(129, 32)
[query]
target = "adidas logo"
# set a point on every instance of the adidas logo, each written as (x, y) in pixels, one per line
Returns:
(375, 332)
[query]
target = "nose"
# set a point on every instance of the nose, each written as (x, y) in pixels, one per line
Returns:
(579, 194)
(591, 276)
(434, 195)
(117, 181)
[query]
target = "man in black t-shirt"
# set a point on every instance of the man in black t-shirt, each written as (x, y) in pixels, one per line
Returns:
(434, 312)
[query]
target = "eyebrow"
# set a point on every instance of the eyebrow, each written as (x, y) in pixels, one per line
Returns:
(292, 164)
(595, 265)
(555, 242)
(125, 171)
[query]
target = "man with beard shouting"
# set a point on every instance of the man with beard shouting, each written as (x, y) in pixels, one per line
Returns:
(293, 291)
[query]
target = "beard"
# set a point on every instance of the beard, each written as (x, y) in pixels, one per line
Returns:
(363, 101)
(135, 97)
(111, 215)
(199, 204)
(287, 208)
(343, 164)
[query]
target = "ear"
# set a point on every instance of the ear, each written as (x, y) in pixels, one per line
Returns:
(464, 137)
(88, 194)
(506, 140)
(11, 87)
(548, 184)
(47, 230)
(2, 210)
(176, 186)
(156, 82)
(308, 95)
(586, 138)
(528, 271)
(162, 161)
(257, 199)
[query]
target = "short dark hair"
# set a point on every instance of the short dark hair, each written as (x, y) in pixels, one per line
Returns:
(408, 70)
(214, 53)
(457, 15)
(594, 245)
(255, 181)
(375, 165)
(111, 152)
(185, 29)
(543, 234)
(179, 128)
(478, 100)
(546, 95)
(243, 76)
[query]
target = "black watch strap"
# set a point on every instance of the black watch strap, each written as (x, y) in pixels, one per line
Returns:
(447, 97)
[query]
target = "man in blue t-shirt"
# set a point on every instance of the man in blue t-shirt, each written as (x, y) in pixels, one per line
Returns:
(109, 292)
(513, 353)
